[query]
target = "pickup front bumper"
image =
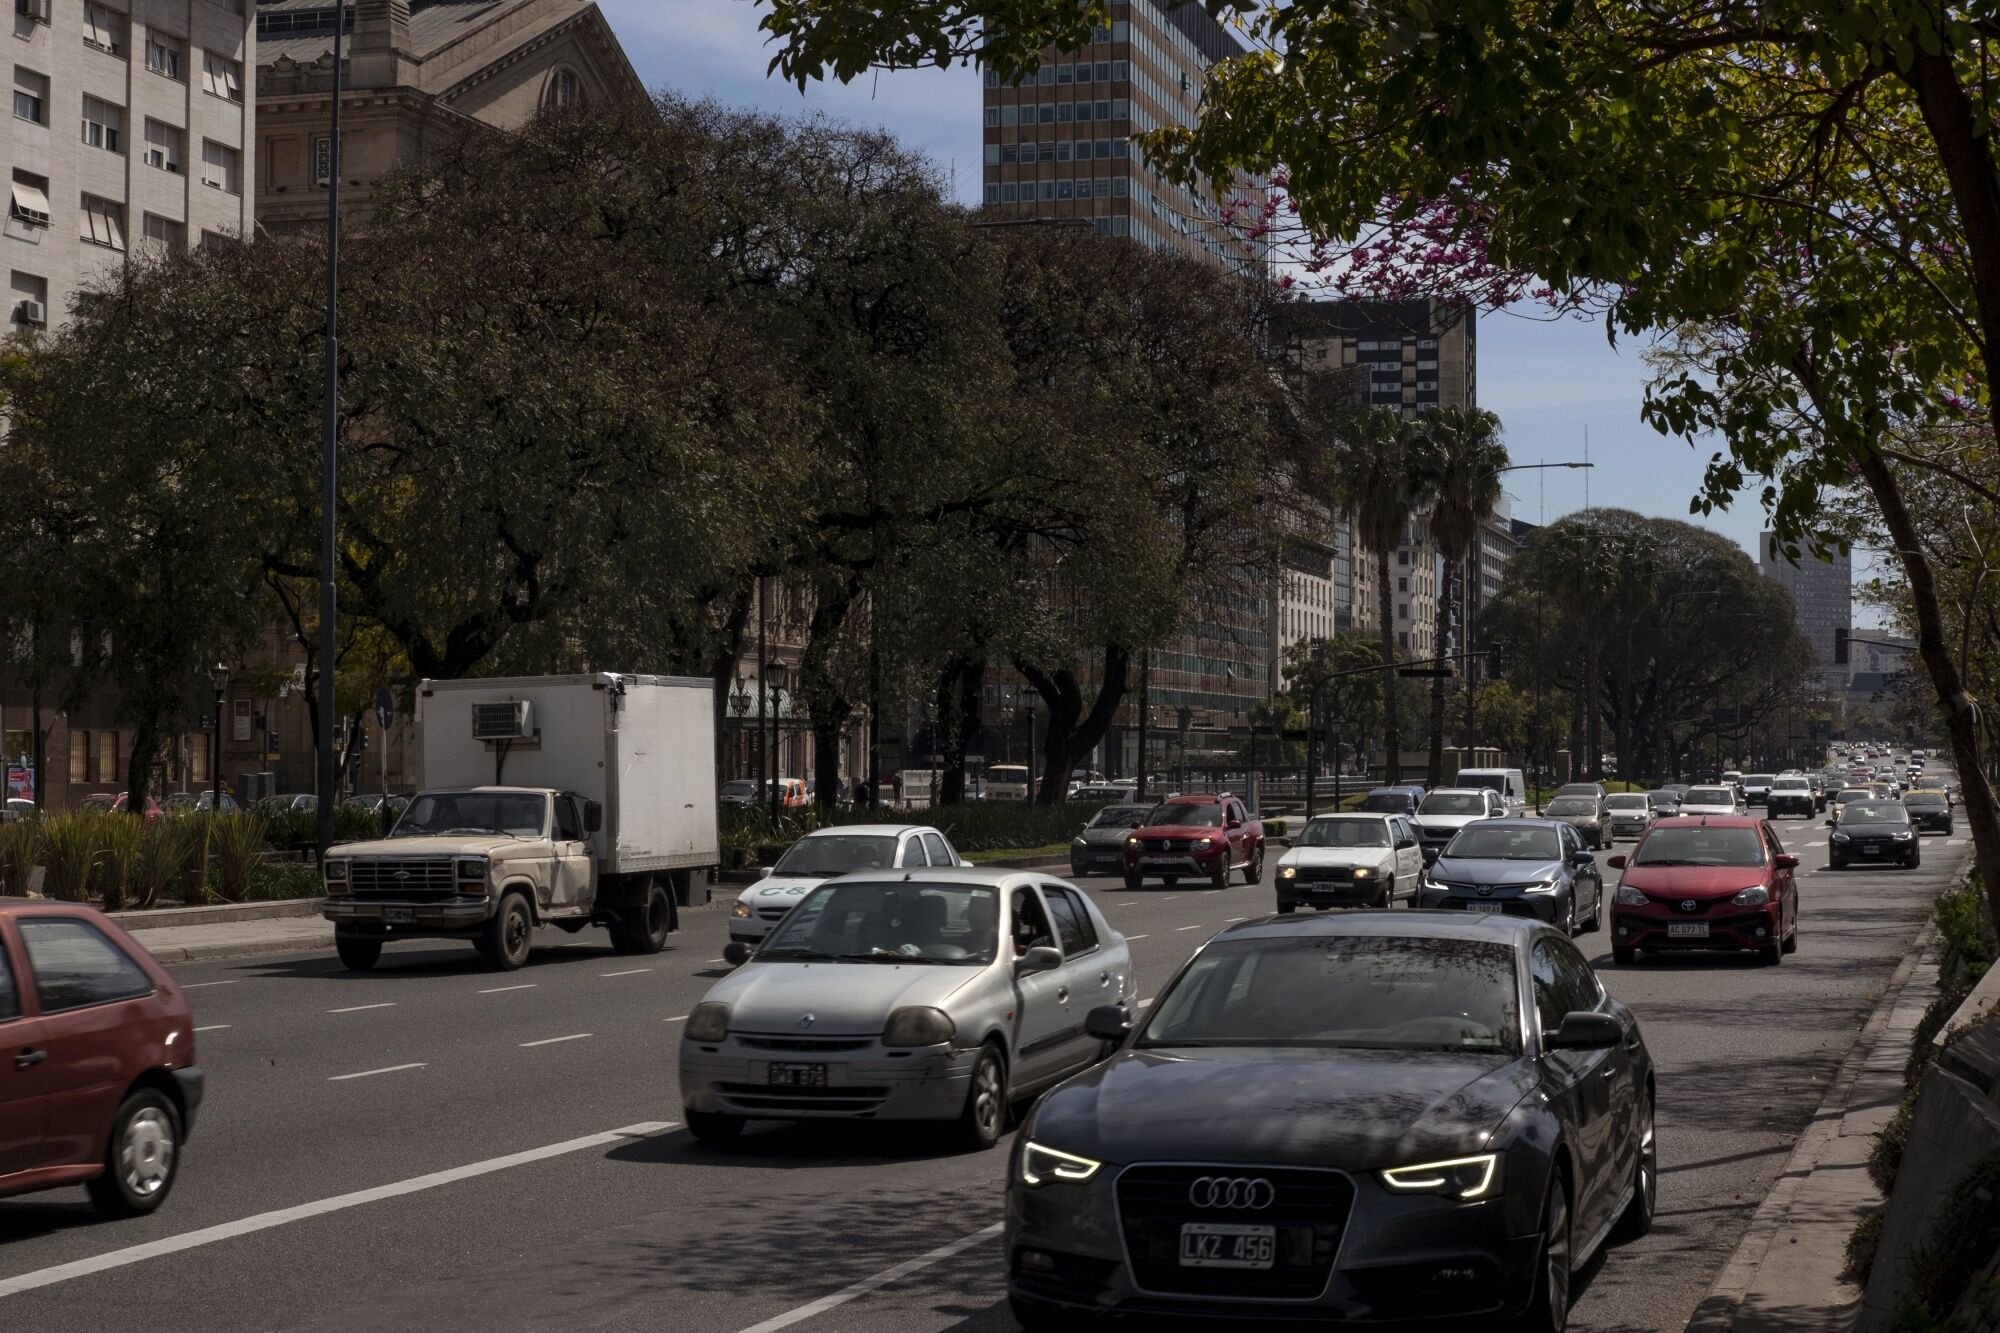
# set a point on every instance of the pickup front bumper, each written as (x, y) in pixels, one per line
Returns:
(387, 916)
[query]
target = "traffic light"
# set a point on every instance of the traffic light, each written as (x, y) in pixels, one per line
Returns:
(1496, 662)
(1840, 645)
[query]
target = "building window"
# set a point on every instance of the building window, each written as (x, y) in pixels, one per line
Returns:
(163, 55)
(992, 194)
(1108, 188)
(1402, 557)
(31, 300)
(102, 222)
(1063, 189)
(79, 756)
(221, 78)
(565, 91)
(1048, 189)
(992, 154)
(31, 96)
(103, 125)
(103, 28)
(164, 235)
(165, 145)
(1402, 585)
(35, 10)
(1063, 74)
(1009, 116)
(216, 240)
(992, 117)
(1048, 152)
(107, 757)
(992, 78)
(1063, 110)
(1046, 113)
(30, 202)
(1008, 192)
(221, 167)
(1062, 151)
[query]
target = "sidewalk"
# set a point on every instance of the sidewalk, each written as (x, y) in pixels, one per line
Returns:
(1785, 1274)
(235, 939)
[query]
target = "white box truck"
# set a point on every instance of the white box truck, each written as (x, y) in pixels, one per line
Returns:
(568, 801)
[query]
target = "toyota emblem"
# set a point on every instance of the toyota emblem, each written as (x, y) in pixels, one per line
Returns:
(1485, 890)
(806, 1020)
(1253, 1193)
(1687, 904)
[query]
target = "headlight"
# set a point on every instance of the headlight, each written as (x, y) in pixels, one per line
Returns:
(918, 1025)
(1132, 841)
(1288, 872)
(1541, 886)
(741, 911)
(1040, 1165)
(1078, 842)
(708, 1022)
(1754, 896)
(336, 872)
(1838, 836)
(472, 869)
(1905, 833)
(1204, 842)
(1625, 897)
(1456, 1178)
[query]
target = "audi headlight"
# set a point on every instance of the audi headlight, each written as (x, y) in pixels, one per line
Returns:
(1625, 897)
(1288, 872)
(708, 1022)
(1041, 1165)
(1754, 896)
(1078, 842)
(1455, 1178)
(1364, 872)
(471, 869)
(918, 1025)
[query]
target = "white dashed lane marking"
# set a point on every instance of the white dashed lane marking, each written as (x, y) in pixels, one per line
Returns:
(357, 1008)
(495, 990)
(370, 1073)
(550, 1041)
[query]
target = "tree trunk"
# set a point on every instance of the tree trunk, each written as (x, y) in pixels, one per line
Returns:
(1577, 740)
(722, 669)
(139, 769)
(1960, 715)
(825, 704)
(951, 733)
(1392, 732)
(1071, 732)
(1593, 712)
(1452, 602)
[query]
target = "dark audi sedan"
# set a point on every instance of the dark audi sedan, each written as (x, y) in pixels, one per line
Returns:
(1376, 1116)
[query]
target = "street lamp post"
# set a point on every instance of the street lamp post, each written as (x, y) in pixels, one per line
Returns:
(214, 742)
(329, 462)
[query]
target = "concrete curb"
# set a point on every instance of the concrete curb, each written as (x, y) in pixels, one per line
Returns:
(1718, 1310)
(213, 953)
(216, 914)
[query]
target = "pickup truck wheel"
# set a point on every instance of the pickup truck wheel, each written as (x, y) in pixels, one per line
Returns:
(709, 1127)
(644, 928)
(357, 953)
(508, 934)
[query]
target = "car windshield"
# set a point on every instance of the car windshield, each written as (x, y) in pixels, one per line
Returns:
(1626, 801)
(1206, 815)
(1704, 845)
(1120, 816)
(519, 814)
(1791, 784)
(824, 855)
(1490, 781)
(1924, 798)
(1385, 803)
(1389, 993)
(1853, 794)
(954, 924)
(1572, 805)
(1875, 812)
(1010, 773)
(1452, 803)
(1578, 789)
(1665, 797)
(738, 789)
(1343, 831)
(1511, 843)
(1709, 796)
(1757, 780)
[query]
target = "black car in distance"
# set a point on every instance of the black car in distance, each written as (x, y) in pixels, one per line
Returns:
(1873, 830)
(1372, 1117)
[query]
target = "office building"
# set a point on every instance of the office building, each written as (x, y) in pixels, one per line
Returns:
(420, 76)
(1058, 142)
(130, 130)
(1822, 596)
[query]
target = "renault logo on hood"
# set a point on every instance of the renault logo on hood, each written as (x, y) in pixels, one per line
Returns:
(807, 1020)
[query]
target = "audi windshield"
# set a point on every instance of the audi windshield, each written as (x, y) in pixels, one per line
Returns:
(1386, 993)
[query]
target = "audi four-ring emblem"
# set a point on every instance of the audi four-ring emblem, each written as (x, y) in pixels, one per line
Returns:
(1249, 1192)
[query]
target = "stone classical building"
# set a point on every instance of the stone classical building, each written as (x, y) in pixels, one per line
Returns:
(420, 75)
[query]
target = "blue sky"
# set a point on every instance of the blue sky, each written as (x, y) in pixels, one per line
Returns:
(1548, 382)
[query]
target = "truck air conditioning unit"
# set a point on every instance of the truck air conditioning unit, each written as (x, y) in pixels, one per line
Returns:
(510, 721)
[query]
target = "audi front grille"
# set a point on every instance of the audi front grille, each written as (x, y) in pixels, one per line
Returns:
(1307, 1209)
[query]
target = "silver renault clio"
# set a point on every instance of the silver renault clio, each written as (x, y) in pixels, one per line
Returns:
(942, 994)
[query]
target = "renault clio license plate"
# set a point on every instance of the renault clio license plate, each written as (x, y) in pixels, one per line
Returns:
(797, 1076)
(1227, 1245)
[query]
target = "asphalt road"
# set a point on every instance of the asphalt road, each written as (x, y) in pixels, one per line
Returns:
(436, 1145)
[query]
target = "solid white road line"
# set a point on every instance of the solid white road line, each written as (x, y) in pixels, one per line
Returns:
(868, 1284)
(628, 972)
(99, 1263)
(213, 1027)
(550, 1041)
(495, 990)
(370, 1073)
(197, 985)
(357, 1008)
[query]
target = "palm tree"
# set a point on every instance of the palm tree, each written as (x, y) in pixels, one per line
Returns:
(1460, 461)
(1583, 585)
(1374, 482)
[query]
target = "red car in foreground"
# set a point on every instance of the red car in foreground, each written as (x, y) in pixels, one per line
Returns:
(1706, 882)
(1196, 837)
(98, 1083)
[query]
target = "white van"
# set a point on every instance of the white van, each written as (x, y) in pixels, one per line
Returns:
(1007, 782)
(1508, 782)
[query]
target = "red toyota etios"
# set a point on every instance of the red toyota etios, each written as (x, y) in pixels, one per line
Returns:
(1706, 882)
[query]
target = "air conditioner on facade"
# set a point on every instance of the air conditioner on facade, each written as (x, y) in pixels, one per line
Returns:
(510, 721)
(37, 10)
(32, 312)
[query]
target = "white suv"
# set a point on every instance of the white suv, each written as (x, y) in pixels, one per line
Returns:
(825, 853)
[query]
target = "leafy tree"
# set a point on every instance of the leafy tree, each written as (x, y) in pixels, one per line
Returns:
(1458, 457)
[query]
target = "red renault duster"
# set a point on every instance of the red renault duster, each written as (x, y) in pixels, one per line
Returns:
(1189, 837)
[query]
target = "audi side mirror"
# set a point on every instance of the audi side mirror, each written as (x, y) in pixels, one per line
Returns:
(1041, 958)
(1107, 1022)
(1785, 861)
(1615, 862)
(736, 953)
(1584, 1031)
